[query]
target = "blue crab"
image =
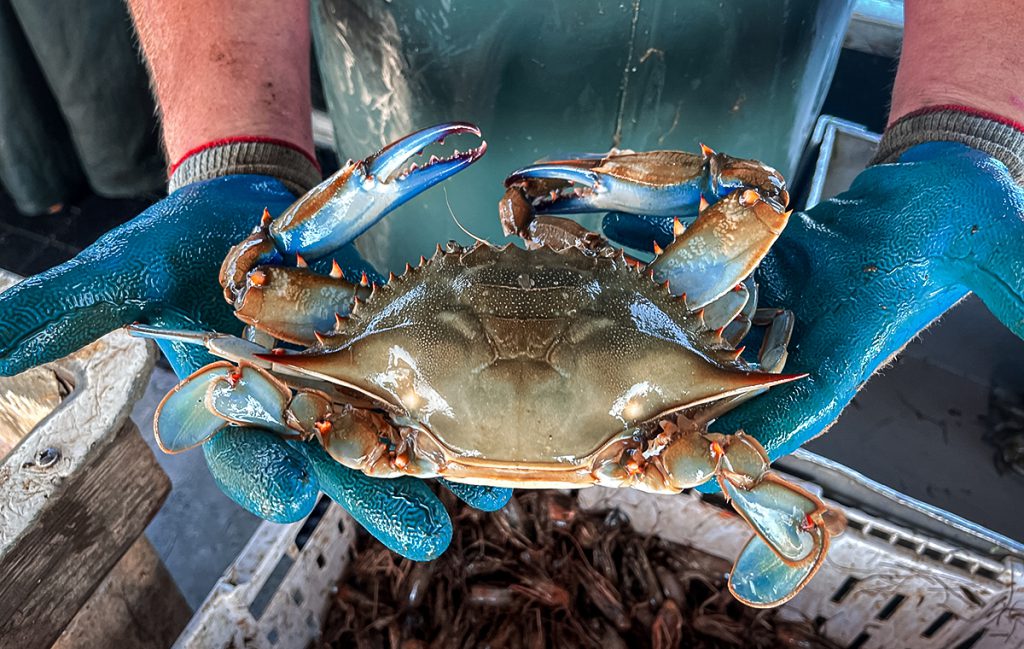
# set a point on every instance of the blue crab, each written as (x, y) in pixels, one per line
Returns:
(565, 364)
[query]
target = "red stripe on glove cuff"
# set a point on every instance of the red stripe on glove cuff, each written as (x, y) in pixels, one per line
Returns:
(984, 114)
(240, 139)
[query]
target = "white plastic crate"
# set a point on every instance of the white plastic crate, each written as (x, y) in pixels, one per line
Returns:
(904, 575)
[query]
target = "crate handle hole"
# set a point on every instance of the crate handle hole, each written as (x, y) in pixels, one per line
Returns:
(972, 640)
(266, 593)
(939, 622)
(890, 608)
(859, 641)
(844, 589)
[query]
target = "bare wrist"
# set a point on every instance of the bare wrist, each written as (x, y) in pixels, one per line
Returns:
(227, 70)
(961, 54)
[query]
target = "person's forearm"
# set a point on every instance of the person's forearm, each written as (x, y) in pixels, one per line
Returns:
(228, 69)
(958, 53)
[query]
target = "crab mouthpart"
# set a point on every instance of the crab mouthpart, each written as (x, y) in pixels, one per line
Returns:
(394, 162)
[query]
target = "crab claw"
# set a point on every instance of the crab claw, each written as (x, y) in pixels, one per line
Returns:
(721, 248)
(658, 183)
(654, 183)
(727, 174)
(345, 205)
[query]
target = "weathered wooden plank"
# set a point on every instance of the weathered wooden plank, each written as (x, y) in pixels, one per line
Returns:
(87, 524)
(138, 606)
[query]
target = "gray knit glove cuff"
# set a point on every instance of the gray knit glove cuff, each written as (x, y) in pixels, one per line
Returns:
(265, 158)
(999, 138)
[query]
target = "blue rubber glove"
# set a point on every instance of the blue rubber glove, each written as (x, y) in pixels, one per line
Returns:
(868, 270)
(161, 268)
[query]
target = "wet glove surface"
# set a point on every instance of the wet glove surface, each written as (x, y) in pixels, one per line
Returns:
(161, 268)
(866, 271)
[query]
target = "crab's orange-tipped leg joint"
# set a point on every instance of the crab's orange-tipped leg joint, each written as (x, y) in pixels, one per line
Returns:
(364, 440)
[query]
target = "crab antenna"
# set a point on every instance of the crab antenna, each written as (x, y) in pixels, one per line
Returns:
(460, 226)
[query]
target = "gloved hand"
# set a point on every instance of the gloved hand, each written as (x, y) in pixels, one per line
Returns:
(868, 270)
(161, 268)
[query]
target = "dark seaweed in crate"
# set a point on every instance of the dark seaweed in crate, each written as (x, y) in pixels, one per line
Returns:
(542, 573)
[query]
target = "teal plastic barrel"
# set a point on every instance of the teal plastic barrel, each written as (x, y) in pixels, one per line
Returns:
(555, 77)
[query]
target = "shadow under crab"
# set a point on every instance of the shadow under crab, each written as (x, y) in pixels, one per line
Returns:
(569, 364)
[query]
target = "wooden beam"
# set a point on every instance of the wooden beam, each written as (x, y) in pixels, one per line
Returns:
(138, 606)
(87, 524)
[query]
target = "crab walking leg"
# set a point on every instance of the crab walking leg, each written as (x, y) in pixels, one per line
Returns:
(721, 248)
(792, 526)
(771, 357)
(222, 394)
(736, 330)
(727, 308)
(365, 441)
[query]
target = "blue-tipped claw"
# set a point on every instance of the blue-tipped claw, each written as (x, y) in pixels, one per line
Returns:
(660, 183)
(389, 160)
(348, 203)
(559, 171)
